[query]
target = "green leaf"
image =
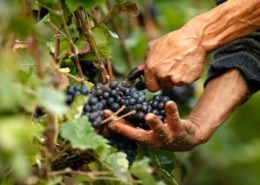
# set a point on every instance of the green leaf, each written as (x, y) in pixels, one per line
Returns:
(82, 135)
(159, 170)
(12, 93)
(52, 100)
(22, 26)
(119, 163)
(16, 143)
(143, 172)
(26, 61)
(75, 4)
(101, 42)
(76, 108)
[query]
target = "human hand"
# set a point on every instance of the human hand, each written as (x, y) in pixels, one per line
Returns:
(174, 59)
(176, 134)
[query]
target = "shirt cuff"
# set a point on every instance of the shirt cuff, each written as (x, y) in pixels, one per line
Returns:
(242, 54)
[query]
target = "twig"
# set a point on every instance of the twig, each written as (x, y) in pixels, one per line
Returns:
(86, 31)
(104, 19)
(125, 115)
(72, 46)
(57, 46)
(109, 69)
(57, 29)
(50, 132)
(94, 175)
(34, 49)
(58, 13)
(113, 116)
(67, 146)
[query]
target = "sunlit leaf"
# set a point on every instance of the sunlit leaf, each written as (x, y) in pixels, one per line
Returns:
(118, 162)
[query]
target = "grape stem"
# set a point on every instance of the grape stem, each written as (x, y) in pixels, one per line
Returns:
(114, 115)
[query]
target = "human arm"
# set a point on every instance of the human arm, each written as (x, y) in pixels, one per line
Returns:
(178, 57)
(221, 96)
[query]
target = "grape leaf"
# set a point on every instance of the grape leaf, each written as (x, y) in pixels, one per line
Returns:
(74, 5)
(119, 163)
(52, 100)
(76, 108)
(143, 171)
(159, 169)
(82, 135)
(101, 42)
(16, 143)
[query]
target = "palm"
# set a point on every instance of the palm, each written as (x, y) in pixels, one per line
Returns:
(175, 134)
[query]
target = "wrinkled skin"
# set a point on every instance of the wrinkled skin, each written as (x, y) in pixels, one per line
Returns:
(177, 58)
(175, 135)
(174, 59)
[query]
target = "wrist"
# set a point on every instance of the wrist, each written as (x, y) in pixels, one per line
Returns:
(220, 98)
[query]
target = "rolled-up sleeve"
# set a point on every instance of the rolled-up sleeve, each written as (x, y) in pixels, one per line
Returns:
(242, 54)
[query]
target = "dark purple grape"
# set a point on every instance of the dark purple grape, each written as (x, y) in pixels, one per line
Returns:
(70, 90)
(114, 106)
(93, 100)
(110, 101)
(84, 90)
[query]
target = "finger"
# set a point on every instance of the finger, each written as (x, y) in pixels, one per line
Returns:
(107, 113)
(156, 125)
(173, 118)
(151, 81)
(137, 134)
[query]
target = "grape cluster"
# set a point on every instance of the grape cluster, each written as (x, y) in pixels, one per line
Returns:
(182, 95)
(73, 91)
(113, 96)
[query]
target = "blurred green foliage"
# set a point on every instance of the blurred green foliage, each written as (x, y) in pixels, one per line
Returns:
(232, 156)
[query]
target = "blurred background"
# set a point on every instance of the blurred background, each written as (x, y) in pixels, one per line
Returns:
(232, 156)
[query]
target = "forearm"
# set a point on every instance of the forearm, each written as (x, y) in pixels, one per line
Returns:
(221, 96)
(225, 23)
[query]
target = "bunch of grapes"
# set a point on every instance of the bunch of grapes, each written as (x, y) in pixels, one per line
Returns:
(182, 95)
(115, 96)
